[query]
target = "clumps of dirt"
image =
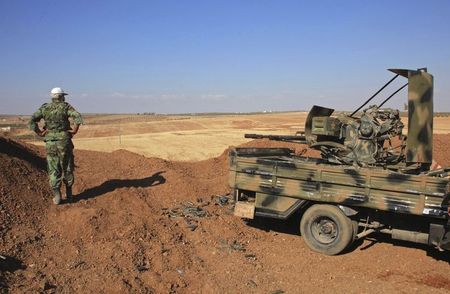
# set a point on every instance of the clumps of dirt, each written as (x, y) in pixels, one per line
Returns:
(23, 192)
(440, 149)
(299, 149)
(23, 186)
(436, 281)
(148, 225)
(114, 237)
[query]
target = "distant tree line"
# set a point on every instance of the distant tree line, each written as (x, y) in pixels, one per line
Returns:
(146, 113)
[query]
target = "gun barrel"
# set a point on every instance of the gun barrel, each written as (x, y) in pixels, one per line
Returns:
(300, 138)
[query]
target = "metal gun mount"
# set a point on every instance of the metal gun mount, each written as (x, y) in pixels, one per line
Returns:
(369, 140)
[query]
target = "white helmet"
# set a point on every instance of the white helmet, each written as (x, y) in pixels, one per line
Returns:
(58, 90)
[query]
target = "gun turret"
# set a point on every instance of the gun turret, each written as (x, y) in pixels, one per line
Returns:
(369, 137)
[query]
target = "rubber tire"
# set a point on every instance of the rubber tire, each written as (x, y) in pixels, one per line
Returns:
(345, 231)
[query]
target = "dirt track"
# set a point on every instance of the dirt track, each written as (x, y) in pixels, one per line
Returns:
(119, 237)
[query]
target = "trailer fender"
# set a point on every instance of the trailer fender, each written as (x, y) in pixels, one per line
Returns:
(439, 236)
(347, 210)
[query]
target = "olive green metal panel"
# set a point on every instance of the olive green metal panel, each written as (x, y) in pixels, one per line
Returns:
(326, 126)
(315, 111)
(420, 117)
(274, 203)
(231, 178)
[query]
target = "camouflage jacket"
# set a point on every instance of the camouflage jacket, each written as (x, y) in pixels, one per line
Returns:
(56, 116)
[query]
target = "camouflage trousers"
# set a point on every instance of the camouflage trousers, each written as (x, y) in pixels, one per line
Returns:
(60, 163)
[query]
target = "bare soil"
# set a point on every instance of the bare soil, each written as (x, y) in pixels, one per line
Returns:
(125, 234)
(179, 137)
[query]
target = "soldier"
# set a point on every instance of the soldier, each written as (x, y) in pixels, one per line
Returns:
(58, 134)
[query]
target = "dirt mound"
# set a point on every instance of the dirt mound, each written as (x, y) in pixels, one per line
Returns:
(299, 149)
(115, 230)
(23, 194)
(147, 225)
(440, 149)
(23, 185)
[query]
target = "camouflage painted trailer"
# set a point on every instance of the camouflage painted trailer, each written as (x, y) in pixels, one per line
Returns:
(361, 184)
(272, 182)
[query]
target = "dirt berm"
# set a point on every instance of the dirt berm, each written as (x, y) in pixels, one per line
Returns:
(147, 225)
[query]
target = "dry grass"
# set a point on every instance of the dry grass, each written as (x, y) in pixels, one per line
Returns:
(185, 137)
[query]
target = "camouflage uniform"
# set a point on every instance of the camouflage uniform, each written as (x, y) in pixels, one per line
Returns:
(58, 140)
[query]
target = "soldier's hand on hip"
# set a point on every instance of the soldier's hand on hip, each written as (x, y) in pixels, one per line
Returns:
(42, 133)
(74, 130)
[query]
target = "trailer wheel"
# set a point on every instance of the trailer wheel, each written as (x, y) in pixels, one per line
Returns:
(326, 229)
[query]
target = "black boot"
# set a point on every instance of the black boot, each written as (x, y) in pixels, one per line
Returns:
(57, 196)
(69, 195)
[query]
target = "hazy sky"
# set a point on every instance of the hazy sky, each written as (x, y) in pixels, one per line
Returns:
(201, 56)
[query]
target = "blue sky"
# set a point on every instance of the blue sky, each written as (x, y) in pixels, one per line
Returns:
(201, 56)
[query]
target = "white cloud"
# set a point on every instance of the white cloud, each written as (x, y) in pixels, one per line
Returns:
(132, 96)
(172, 97)
(213, 97)
(118, 94)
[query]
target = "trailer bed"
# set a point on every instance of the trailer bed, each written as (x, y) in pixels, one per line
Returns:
(279, 179)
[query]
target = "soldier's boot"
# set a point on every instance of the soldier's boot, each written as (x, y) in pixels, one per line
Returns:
(69, 195)
(57, 196)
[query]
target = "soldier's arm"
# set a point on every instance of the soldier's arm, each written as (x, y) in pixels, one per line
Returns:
(33, 123)
(77, 119)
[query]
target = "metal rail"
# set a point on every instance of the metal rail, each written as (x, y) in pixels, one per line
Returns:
(373, 96)
(392, 95)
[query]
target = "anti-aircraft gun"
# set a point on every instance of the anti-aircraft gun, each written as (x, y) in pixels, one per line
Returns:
(371, 177)
(375, 137)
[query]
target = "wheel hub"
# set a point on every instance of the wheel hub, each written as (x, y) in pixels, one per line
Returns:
(324, 230)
